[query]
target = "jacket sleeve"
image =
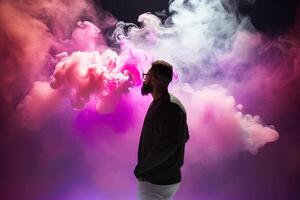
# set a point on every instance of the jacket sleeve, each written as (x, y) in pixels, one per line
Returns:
(171, 136)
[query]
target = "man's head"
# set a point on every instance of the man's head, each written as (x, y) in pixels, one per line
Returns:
(158, 77)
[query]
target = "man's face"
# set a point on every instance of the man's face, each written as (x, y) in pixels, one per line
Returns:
(147, 87)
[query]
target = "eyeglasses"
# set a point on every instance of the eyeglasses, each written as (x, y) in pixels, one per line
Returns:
(146, 74)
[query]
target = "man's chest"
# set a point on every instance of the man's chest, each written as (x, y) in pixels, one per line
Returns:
(151, 124)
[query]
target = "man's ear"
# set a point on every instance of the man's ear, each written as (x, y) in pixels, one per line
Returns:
(154, 80)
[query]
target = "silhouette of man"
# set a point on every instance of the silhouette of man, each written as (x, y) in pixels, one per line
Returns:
(163, 137)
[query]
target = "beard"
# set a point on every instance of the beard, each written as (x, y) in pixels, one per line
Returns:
(146, 88)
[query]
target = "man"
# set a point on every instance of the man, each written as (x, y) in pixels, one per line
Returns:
(163, 137)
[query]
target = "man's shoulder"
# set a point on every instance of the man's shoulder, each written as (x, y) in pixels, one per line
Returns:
(172, 106)
(176, 103)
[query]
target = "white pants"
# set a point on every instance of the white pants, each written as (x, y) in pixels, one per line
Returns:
(149, 191)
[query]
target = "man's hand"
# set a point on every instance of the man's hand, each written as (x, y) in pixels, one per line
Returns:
(141, 179)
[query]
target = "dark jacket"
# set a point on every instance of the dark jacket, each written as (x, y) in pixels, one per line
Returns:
(162, 142)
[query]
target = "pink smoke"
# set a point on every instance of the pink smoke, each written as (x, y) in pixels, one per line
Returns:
(85, 35)
(83, 74)
(89, 94)
(34, 110)
(218, 128)
(101, 78)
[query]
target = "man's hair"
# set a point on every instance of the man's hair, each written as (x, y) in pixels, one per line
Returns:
(162, 70)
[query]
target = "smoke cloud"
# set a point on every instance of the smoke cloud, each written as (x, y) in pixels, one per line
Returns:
(74, 100)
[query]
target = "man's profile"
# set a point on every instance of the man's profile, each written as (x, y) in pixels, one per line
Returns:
(163, 137)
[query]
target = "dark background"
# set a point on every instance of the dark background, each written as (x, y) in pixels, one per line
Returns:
(268, 16)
